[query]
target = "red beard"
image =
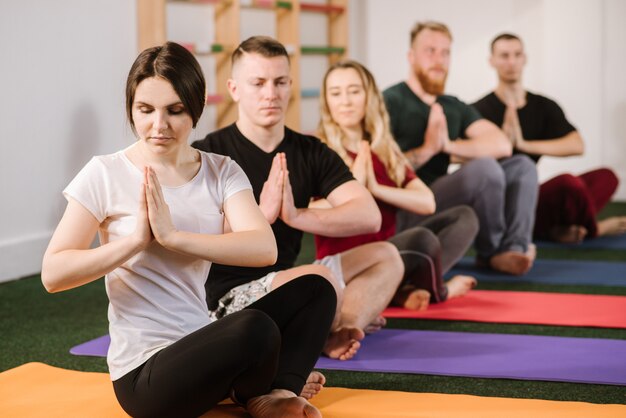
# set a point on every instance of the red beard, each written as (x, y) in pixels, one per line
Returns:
(430, 85)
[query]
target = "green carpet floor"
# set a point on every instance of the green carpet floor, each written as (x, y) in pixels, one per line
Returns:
(37, 326)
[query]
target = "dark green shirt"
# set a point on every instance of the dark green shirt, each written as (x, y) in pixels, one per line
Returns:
(409, 118)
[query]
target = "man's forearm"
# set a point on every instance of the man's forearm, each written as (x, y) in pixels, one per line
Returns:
(418, 156)
(479, 147)
(353, 218)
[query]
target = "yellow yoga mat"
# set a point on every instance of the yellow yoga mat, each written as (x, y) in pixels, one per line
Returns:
(39, 390)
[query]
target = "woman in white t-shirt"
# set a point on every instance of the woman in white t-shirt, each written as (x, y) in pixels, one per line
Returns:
(164, 212)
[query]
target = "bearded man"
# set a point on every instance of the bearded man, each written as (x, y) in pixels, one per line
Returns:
(434, 130)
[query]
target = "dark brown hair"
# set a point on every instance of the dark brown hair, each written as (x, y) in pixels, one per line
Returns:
(173, 63)
(506, 37)
(263, 45)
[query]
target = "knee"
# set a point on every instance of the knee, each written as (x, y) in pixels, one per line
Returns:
(571, 184)
(385, 255)
(609, 178)
(523, 169)
(259, 332)
(321, 286)
(388, 253)
(325, 294)
(467, 219)
(319, 273)
(482, 174)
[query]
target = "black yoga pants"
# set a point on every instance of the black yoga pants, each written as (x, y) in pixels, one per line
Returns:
(272, 344)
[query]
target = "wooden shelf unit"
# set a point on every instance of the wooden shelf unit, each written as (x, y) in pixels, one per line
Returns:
(152, 23)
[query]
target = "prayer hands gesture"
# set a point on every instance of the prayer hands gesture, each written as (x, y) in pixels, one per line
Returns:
(363, 169)
(511, 125)
(276, 200)
(154, 220)
(436, 137)
(359, 166)
(271, 198)
(143, 232)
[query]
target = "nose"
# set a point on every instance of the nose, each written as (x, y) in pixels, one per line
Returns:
(161, 120)
(271, 91)
(344, 98)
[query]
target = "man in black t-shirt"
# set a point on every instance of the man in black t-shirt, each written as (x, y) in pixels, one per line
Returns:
(567, 204)
(287, 170)
(434, 129)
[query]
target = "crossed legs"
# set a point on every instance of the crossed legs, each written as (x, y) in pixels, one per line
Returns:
(372, 273)
(503, 195)
(261, 356)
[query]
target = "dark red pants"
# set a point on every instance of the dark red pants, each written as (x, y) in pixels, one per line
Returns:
(574, 200)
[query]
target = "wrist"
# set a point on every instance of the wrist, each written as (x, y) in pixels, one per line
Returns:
(291, 219)
(137, 244)
(374, 188)
(169, 240)
(270, 215)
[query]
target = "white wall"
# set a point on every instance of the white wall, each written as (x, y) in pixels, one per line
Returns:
(576, 50)
(64, 65)
(613, 121)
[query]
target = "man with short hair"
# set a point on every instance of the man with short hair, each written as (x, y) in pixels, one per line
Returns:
(286, 170)
(434, 130)
(567, 204)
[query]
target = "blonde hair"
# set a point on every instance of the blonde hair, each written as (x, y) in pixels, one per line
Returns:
(375, 125)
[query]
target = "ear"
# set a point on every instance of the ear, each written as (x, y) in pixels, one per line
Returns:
(491, 61)
(233, 89)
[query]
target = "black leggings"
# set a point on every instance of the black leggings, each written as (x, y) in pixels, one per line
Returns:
(272, 344)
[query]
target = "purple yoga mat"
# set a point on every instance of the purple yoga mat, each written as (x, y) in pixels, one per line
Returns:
(95, 348)
(526, 357)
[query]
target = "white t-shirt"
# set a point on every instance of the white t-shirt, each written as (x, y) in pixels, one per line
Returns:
(157, 296)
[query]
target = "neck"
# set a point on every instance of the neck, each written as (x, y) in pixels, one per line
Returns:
(511, 93)
(416, 87)
(265, 137)
(172, 158)
(352, 137)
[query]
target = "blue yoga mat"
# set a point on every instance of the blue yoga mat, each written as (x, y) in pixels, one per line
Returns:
(607, 242)
(600, 273)
(525, 357)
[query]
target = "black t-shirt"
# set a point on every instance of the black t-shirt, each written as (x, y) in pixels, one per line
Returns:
(408, 116)
(540, 119)
(314, 171)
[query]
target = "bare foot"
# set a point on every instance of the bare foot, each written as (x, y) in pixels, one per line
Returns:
(281, 403)
(531, 252)
(512, 262)
(314, 384)
(376, 325)
(459, 285)
(570, 234)
(417, 300)
(343, 343)
(615, 225)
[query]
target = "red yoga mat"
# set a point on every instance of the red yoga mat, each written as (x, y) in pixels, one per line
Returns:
(562, 309)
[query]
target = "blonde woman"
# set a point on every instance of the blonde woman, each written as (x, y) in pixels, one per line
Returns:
(355, 123)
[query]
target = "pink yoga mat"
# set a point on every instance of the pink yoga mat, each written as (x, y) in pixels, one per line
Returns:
(526, 308)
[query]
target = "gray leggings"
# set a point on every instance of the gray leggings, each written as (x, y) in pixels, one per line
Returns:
(502, 193)
(431, 248)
